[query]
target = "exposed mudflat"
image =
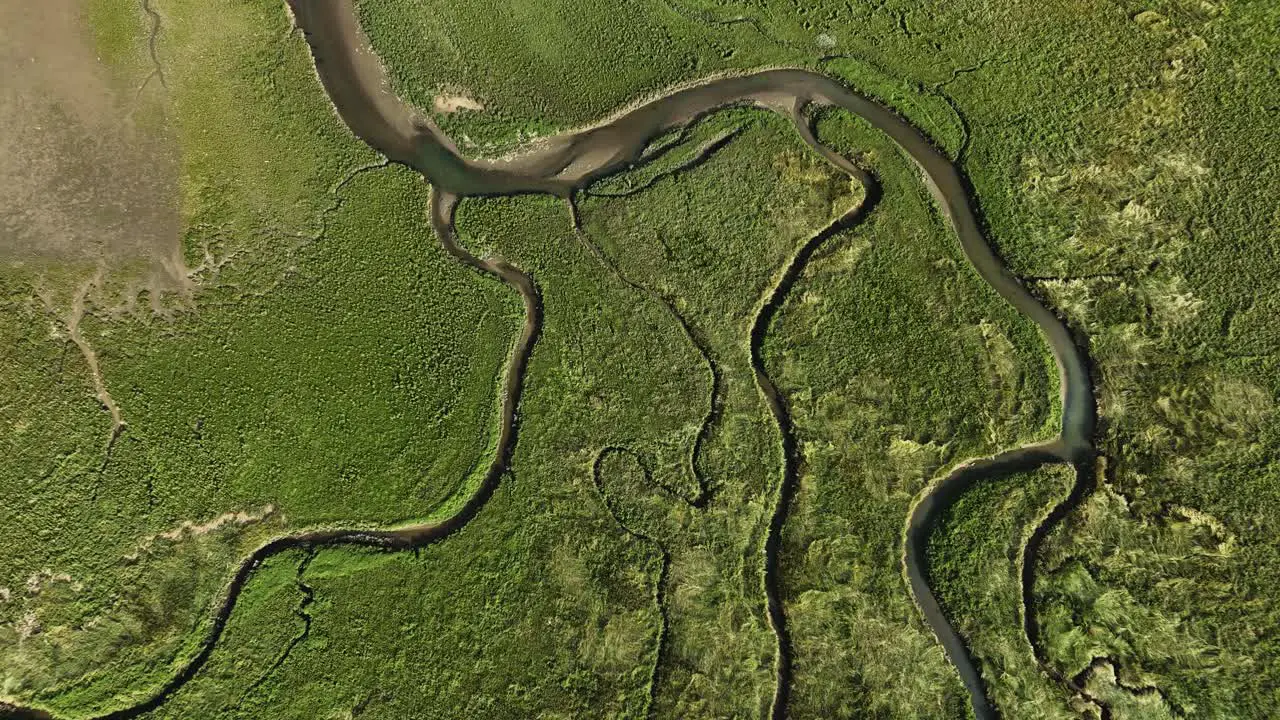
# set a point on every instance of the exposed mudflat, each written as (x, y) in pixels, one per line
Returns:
(88, 172)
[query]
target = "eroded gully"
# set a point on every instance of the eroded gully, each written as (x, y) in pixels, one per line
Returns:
(356, 84)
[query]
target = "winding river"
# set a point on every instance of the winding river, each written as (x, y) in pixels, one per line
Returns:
(355, 82)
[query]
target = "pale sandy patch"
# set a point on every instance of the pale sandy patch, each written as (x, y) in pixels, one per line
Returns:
(191, 529)
(454, 102)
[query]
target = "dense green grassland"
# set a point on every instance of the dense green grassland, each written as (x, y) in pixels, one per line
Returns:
(899, 363)
(975, 567)
(1171, 568)
(326, 363)
(562, 64)
(547, 603)
(712, 243)
(1122, 157)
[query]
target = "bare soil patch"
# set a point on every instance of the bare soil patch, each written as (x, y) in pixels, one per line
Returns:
(88, 172)
(453, 102)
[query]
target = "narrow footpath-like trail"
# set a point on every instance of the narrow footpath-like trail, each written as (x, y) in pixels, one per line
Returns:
(356, 84)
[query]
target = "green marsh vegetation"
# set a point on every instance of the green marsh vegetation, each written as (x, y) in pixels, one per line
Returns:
(1120, 155)
(882, 406)
(547, 602)
(1170, 568)
(712, 243)
(975, 567)
(330, 365)
(322, 362)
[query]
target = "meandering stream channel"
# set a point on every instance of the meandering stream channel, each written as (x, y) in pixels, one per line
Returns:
(566, 164)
